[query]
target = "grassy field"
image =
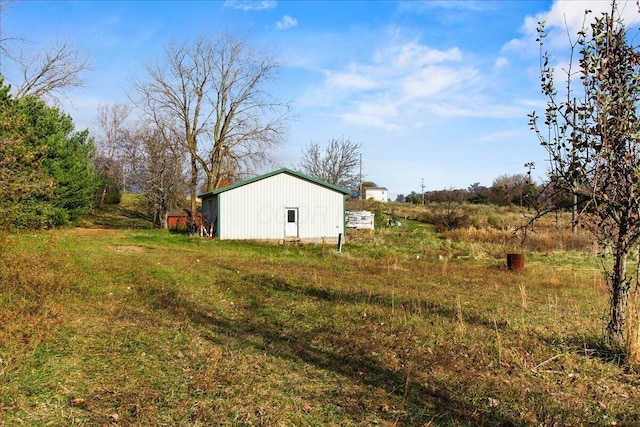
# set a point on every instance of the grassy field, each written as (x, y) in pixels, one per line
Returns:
(127, 326)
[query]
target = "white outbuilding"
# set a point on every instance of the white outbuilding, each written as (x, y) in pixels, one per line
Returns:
(283, 205)
(379, 194)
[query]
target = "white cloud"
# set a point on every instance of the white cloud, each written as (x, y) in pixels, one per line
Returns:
(427, 6)
(421, 55)
(433, 80)
(412, 55)
(501, 62)
(376, 114)
(349, 80)
(465, 107)
(286, 22)
(247, 5)
(397, 85)
(400, 84)
(571, 14)
(413, 71)
(564, 19)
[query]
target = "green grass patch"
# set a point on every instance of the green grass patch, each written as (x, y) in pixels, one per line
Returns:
(130, 213)
(404, 328)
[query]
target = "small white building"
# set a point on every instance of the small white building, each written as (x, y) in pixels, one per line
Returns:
(379, 194)
(283, 205)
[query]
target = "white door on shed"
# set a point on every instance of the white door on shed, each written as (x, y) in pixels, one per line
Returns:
(291, 222)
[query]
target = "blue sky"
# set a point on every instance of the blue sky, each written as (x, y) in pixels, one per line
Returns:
(433, 90)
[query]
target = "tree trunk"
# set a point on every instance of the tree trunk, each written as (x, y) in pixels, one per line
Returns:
(211, 181)
(164, 223)
(102, 196)
(156, 217)
(213, 172)
(620, 287)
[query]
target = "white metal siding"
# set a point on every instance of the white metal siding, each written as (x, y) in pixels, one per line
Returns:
(257, 210)
(378, 194)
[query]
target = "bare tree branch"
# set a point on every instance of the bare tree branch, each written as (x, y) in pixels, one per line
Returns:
(51, 72)
(4, 41)
(591, 133)
(48, 73)
(157, 161)
(112, 135)
(215, 94)
(336, 163)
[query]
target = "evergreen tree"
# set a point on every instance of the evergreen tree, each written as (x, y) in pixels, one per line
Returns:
(21, 174)
(47, 177)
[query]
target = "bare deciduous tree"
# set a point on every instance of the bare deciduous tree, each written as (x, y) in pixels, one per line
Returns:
(4, 49)
(113, 134)
(512, 189)
(214, 93)
(47, 73)
(336, 163)
(50, 72)
(591, 131)
(147, 154)
(156, 164)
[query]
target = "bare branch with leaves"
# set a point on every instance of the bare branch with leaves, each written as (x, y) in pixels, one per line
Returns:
(592, 135)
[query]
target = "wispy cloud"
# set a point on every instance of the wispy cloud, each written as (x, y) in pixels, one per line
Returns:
(415, 55)
(398, 84)
(469, 107)
(286, 22)
(373, 114)
(564, 20)
(500, 63)
(349, 80)
(429, 5)
(248, 5)
(431, 81)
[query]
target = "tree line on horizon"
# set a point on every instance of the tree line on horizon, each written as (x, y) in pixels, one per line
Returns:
(516, 189)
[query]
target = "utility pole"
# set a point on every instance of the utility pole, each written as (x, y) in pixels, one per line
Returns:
(360, 189)
(422, 187)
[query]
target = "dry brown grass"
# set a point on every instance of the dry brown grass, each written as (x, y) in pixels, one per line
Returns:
(502, 227)
(404, 328)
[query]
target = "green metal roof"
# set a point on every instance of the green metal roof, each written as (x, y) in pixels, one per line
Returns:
(277, 172)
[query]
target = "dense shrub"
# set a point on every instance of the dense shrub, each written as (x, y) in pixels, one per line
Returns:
(447, 216)
(34, 214)
(44, 164)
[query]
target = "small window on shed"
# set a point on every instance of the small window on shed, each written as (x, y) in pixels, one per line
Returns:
(291, 215)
